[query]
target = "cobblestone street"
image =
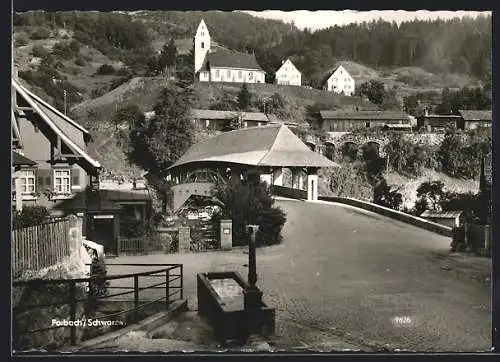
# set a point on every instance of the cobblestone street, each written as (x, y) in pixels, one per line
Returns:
(345, 278)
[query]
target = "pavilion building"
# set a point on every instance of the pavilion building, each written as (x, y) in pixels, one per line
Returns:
(228, 156)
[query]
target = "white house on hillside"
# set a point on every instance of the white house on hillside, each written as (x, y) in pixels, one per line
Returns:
(213, 64)
(288, 74)
(340, 82)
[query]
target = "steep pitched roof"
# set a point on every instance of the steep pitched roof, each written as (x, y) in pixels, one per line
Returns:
(55, 122)
(475, 115)
(273, 145)
(330, 73)
(364, 115)
(291, 63)
(20, 160)
(225, 58)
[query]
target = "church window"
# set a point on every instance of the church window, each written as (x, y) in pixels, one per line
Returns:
(202, 33)
(202, 45)
(250, 75)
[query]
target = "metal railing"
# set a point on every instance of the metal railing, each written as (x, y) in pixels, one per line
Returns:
(170, 274)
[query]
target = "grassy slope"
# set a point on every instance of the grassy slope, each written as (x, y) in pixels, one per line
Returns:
(81, 76)
(408, 186)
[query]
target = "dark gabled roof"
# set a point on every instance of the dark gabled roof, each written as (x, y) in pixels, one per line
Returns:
(213, 114)
(364, 115)
(125, 195)
(231, 59)
(441, 214)
(273, 145)
(20, 160)
(468, 115)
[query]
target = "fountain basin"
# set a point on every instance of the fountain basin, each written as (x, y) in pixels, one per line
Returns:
(221, 302)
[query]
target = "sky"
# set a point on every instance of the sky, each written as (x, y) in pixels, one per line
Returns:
(325, 18)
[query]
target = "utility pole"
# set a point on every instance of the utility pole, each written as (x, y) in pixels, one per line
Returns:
(64, 91)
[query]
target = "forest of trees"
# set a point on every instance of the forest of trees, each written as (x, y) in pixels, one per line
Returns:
(439, 46)
(453, 46)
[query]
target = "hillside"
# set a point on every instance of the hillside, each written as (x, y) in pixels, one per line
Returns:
(81, 75)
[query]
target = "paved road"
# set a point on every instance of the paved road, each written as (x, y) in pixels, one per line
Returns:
(346, 277)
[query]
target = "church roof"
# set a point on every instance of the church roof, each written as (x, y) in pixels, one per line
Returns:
(226, 58)
(273, 145)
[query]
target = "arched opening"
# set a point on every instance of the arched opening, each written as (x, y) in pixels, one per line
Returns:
(371, 151)
(349, 151)
(375, 165)
(330, 151)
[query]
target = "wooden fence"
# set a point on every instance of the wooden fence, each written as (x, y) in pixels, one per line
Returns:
(40, 246)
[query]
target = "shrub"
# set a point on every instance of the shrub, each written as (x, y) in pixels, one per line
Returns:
(384, 196)
(249, 202)
(97, 92)
(429, 197)
(40, 33)
(64, 50)
(30, 216)
(21, 40)
(80, 61)
(105, 69)
(350, 181)
(39, 51)
(74, 45)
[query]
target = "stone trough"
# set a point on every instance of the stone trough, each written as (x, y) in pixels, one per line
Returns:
(221, 302)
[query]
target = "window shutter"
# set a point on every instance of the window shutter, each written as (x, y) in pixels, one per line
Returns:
(75, 177)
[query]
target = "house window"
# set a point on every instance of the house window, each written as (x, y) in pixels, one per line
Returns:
(27, 181)
(62, 181)
(250, 75)
(217, 73)
(229, 74)
(240, 74)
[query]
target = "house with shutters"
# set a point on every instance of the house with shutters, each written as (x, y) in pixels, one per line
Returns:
(288, 74)
(217, 64)
(50, 163)
(340, 81)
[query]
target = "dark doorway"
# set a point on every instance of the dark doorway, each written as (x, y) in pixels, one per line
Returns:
(103, 232)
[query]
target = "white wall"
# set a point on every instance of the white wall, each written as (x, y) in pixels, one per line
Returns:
(340, 81)
(288, 74)
(218, 74)
(201, 45)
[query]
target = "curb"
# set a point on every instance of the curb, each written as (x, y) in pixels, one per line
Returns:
(146, 324)
(393, 214)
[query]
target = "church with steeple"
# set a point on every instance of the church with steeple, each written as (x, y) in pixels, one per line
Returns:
(213, 63)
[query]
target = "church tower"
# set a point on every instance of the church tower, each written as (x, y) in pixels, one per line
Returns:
(201, 45)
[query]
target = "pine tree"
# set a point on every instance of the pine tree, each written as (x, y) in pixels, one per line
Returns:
(244, 98)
